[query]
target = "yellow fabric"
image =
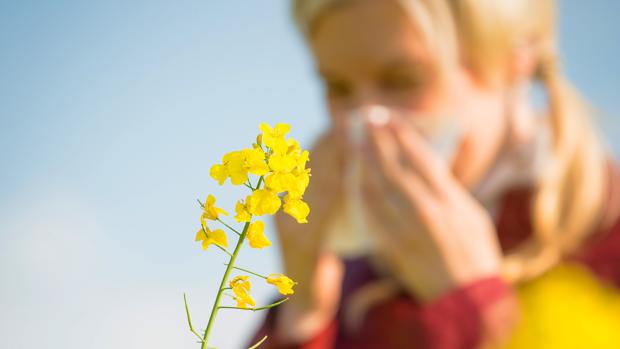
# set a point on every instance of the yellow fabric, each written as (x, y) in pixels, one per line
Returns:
(568, 308)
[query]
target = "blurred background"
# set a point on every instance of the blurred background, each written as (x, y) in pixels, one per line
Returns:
(111, 114)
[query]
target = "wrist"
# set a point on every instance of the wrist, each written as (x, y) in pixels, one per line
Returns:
(297, 322)
(319, 284)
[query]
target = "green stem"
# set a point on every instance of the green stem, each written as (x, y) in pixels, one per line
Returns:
(249, 271)
(229, 268)
(228, 226)
(189, 319)
(221, 288)
(259, 308)
(229, 295)
(258, 343)
(223, 249)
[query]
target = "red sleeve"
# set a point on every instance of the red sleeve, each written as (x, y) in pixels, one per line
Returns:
(323, 340)
(453, 321)
(602, 252)
(603, 256)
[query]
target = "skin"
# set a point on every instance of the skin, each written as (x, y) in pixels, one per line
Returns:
(431, 233)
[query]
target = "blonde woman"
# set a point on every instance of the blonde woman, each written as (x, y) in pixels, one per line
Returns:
(447, 211)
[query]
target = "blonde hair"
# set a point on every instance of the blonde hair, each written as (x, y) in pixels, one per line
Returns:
(482, 34)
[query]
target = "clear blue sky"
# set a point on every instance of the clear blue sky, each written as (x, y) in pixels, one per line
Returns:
(111, 113)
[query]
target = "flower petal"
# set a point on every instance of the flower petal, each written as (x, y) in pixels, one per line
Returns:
(263, 201)
(296, 208)
(282, 282)
(256, 236)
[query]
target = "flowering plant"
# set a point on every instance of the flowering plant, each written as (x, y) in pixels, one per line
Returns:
(280, 166)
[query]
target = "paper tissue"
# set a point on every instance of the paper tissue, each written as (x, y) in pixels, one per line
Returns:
(350, 233)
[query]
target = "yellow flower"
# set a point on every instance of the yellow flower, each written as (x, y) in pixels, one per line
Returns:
(274, 137)
(280, 181)
(294, 151)
(295, 183)
(298, 187)
(240, 284)
(282, 162)
(302, 159)
(240, 287)
(290, 159)
(208, 237)
(243, 215)
(282, 282)
(210, 211)
(255, 161)
(263, 201)
(256, 236)
(289, 173)
(235, 167)
(244, 300)
(296, 208)
(219, 173)
(293, 146)
(237, 164)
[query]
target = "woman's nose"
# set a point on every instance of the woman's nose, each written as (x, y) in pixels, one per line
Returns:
(367, 97)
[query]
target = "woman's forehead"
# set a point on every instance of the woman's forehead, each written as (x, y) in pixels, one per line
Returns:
(367, 35)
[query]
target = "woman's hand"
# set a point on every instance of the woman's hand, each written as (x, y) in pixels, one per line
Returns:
(430, 231)
(318, 273)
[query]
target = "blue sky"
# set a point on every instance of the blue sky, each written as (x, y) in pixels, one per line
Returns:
(111, 114)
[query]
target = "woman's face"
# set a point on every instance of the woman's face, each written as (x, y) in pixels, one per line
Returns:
(369, 53)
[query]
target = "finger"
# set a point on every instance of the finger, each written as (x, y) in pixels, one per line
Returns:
(378, 197)
(387, 210)
(417, 197)
(419, 156)
(384, 193)
(384, 151)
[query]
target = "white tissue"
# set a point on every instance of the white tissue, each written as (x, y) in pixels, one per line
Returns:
(350, 234)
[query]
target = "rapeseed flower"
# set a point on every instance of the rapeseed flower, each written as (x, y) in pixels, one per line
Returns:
(296, 208)
(243, 215)
(280, 165)
(210, 211)
(274, 137)
(209, 237)
(263, 201)
(241, 288)
(282, 282)
(256, 235)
